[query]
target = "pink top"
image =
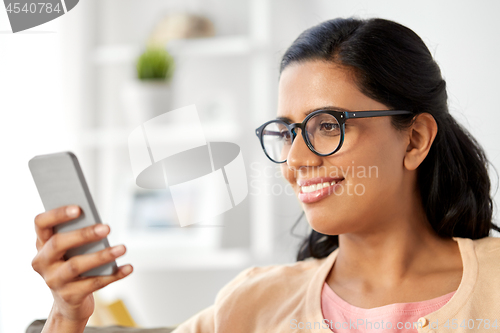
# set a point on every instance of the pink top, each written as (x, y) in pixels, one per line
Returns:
(341, 316)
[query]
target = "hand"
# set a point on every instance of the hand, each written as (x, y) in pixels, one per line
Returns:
(73, 300)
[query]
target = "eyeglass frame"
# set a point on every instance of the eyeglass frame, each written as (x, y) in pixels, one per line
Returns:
(340, 116)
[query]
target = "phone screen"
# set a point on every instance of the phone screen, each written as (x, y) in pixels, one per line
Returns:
(60, 181)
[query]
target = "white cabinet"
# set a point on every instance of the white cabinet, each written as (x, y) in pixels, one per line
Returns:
(232, 78)
(231, 74)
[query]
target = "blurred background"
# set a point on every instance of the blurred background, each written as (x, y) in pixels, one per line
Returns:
(71, 84)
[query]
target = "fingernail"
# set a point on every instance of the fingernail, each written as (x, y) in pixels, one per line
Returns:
(101, 229)
(117, 250)
(127, 270)
(72, 211)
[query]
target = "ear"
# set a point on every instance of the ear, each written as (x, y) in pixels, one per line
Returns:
(421, 135)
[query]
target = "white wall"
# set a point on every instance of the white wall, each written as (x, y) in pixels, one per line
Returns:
(33, 122)
(463, 36)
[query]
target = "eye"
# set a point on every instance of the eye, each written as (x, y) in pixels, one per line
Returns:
(329, 127)
(285, 134)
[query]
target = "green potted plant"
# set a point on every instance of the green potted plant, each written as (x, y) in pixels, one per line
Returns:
(149, 94)
(155, 64)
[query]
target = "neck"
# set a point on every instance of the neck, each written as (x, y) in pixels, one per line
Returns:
(400, 250)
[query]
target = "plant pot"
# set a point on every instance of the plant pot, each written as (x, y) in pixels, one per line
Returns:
(144, 100)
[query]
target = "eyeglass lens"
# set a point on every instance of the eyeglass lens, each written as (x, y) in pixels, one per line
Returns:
(277, 140)
(322, 130)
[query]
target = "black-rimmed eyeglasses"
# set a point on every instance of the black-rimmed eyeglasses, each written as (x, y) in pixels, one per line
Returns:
(323, 132)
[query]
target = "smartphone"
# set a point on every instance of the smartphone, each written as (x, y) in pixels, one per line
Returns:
(60, 182)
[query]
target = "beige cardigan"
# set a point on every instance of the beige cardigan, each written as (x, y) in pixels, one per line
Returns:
(278, 298)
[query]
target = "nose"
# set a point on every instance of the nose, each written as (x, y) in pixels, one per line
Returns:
(300, 155)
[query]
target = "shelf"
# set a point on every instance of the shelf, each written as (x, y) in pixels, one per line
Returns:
(116, 137)
(161, 259)
(207, 47)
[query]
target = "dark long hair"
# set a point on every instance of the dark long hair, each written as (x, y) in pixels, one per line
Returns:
(392, 65)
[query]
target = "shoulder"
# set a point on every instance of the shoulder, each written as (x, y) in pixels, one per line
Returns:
(271, 277)
(487, 246)
(292, 271)
(487, 253)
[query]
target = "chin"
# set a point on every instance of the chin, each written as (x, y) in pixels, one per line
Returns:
(327, 220)
(322, 224)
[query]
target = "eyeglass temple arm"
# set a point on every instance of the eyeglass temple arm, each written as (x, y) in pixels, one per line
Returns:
(366, 114)
(272, 132)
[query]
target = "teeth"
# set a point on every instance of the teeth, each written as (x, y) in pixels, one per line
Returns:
(315, 187)
(307, 189)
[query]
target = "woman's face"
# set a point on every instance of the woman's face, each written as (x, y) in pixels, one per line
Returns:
(370, 162)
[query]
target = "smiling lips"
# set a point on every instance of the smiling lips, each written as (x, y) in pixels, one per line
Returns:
(315, 189)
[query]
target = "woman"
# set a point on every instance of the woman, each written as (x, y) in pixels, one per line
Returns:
(401, 220)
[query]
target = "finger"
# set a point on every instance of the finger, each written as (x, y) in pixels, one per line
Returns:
(91, 284)
(44, 222)
(59, 243)
(77, 265)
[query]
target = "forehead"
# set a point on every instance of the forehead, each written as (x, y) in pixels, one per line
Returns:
(312, 85)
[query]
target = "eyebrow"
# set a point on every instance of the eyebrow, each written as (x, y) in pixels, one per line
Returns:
(329, 108)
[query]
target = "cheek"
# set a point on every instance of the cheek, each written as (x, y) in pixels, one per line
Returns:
(371, 161)
(378, 168)
(288, 174)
